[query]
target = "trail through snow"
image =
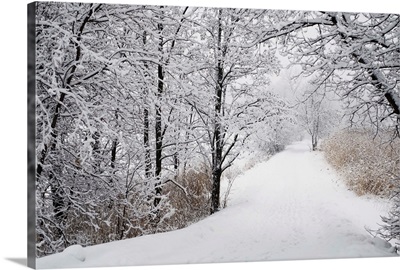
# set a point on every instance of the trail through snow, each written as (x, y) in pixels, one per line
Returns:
(290, 207)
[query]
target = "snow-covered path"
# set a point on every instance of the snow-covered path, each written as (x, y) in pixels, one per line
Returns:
(290, 207)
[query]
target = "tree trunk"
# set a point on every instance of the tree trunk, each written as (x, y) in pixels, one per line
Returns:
(59, 206)
(66, 84)
(146, 136)
(315, 133)
(146, 142)
(96, 152)
(314, 142)
(114, 145)
(113, 153)
(215, 192)
(158, 121)
(121, 224)
(217, 144)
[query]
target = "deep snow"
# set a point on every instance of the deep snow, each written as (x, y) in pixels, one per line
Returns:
(292, 206)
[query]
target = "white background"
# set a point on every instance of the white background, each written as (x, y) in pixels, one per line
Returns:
(13, 131)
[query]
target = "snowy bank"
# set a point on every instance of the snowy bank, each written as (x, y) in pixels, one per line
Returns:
(292, 206)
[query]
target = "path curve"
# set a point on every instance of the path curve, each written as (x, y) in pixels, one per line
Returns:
(290, 207)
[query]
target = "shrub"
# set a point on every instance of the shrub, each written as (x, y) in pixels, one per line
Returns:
(390, 229)
(369, 164)
(190, 201)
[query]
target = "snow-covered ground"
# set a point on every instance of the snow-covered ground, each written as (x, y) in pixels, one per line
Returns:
(290, 207)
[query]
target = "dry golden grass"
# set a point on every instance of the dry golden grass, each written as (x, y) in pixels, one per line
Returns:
(367, 163)
(193, 204)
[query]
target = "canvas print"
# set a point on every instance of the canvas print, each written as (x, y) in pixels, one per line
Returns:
(180, 135)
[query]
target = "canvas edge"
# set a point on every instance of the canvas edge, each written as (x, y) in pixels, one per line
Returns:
(31, 117)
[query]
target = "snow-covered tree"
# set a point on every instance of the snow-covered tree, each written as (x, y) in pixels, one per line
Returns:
(352, 53)
(234, 95)
(357, 56)
(390, 229)
(65, 74)
(135, 101)
(92, 68)
(317, 114)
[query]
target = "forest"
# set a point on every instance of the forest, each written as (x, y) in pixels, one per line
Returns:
(141, 111)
